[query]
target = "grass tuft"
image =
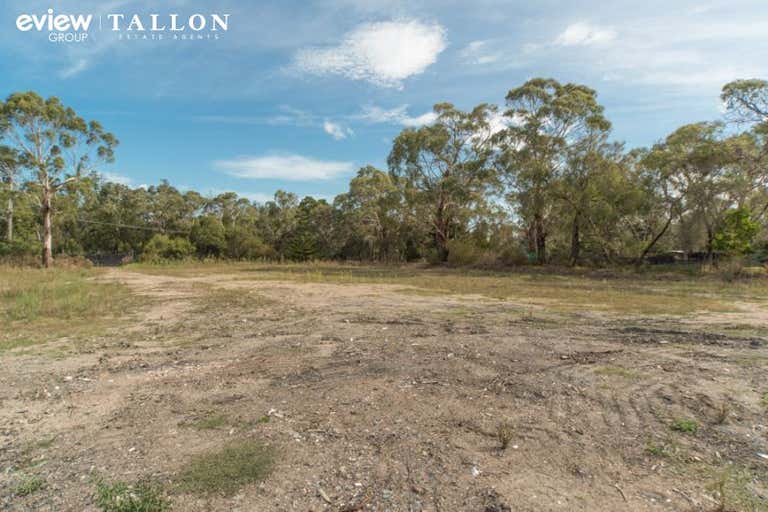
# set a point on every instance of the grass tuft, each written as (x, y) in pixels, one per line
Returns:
(29, 485)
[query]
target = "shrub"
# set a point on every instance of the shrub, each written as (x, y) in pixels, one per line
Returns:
(161, 247)
(208, 236)
(461, 253)
(513, 256)
(244, 244)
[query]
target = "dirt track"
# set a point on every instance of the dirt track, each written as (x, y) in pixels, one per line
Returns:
(389, 400)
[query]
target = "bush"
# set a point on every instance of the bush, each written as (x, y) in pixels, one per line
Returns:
(20, 252)
(461, 253)
(513, 255)
(432, 256)
(162, 247)
(208, 236)
(244, 244)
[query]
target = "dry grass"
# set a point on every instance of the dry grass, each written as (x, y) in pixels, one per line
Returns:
(625, 293)
(37, 305)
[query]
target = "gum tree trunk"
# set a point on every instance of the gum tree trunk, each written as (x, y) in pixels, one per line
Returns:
(9, 216)
(47, 228)
(576, 240)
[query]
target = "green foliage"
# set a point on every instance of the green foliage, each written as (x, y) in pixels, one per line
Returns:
(737, 232)
(226, 471)
(310, 238)
(244, 244)
(208, 236)
(161, 247)
(120, 496)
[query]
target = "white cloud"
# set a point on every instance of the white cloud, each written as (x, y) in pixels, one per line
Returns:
(116, 178)
(480, 52)
(75, 68)
(676, 50)
(383, 53)
(398, 115)
(284, 167)
(336, 131)
(584, 34)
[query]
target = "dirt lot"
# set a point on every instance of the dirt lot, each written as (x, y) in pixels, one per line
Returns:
(388, 397)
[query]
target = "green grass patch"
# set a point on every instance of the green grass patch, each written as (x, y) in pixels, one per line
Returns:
(29, 484)
(656, 449)
(120, 496)
(42, 305)
(684, 425)
(227, 470)
(210, 422)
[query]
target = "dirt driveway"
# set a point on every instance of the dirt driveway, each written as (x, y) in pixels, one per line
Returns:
(378, 398)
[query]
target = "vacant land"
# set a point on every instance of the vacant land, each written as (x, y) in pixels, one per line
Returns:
(330, 387)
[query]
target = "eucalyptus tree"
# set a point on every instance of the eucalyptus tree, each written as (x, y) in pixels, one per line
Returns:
(278, 220)
(444, 167)
(545, 121)
(702, 173)
(372, 214)
(9, 171)
(57, 146)
(746, 101)
(582, 189)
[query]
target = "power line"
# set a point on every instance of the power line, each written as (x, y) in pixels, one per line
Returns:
(129, 226)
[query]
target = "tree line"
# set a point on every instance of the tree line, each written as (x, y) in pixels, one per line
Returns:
(537, 181)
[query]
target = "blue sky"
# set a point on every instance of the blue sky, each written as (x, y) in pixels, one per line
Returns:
(298, 95)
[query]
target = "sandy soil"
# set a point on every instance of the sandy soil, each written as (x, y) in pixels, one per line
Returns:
(389, 400)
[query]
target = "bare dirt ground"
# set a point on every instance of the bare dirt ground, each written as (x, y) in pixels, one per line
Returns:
(377, 398)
